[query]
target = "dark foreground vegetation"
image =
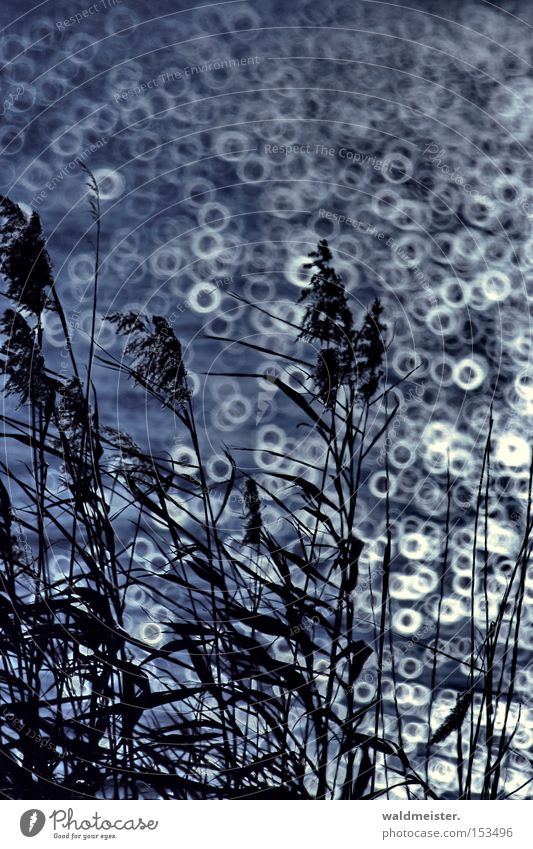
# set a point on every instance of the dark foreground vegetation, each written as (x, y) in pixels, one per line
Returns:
(242, 685)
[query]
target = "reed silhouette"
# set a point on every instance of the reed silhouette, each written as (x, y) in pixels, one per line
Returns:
(242, 683)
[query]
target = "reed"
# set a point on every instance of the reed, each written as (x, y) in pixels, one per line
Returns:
(242, 685)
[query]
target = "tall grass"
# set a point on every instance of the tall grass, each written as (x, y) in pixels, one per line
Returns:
(243, 682)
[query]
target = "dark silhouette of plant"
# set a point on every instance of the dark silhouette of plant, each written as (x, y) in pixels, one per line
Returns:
(24, 262)
(23, 363)
(157, 358)
(328, 375)
(8, 545)
(370, 352)
(329, 322)
(346, 355)
(253, 521)
(454, 720)
(327, 317)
